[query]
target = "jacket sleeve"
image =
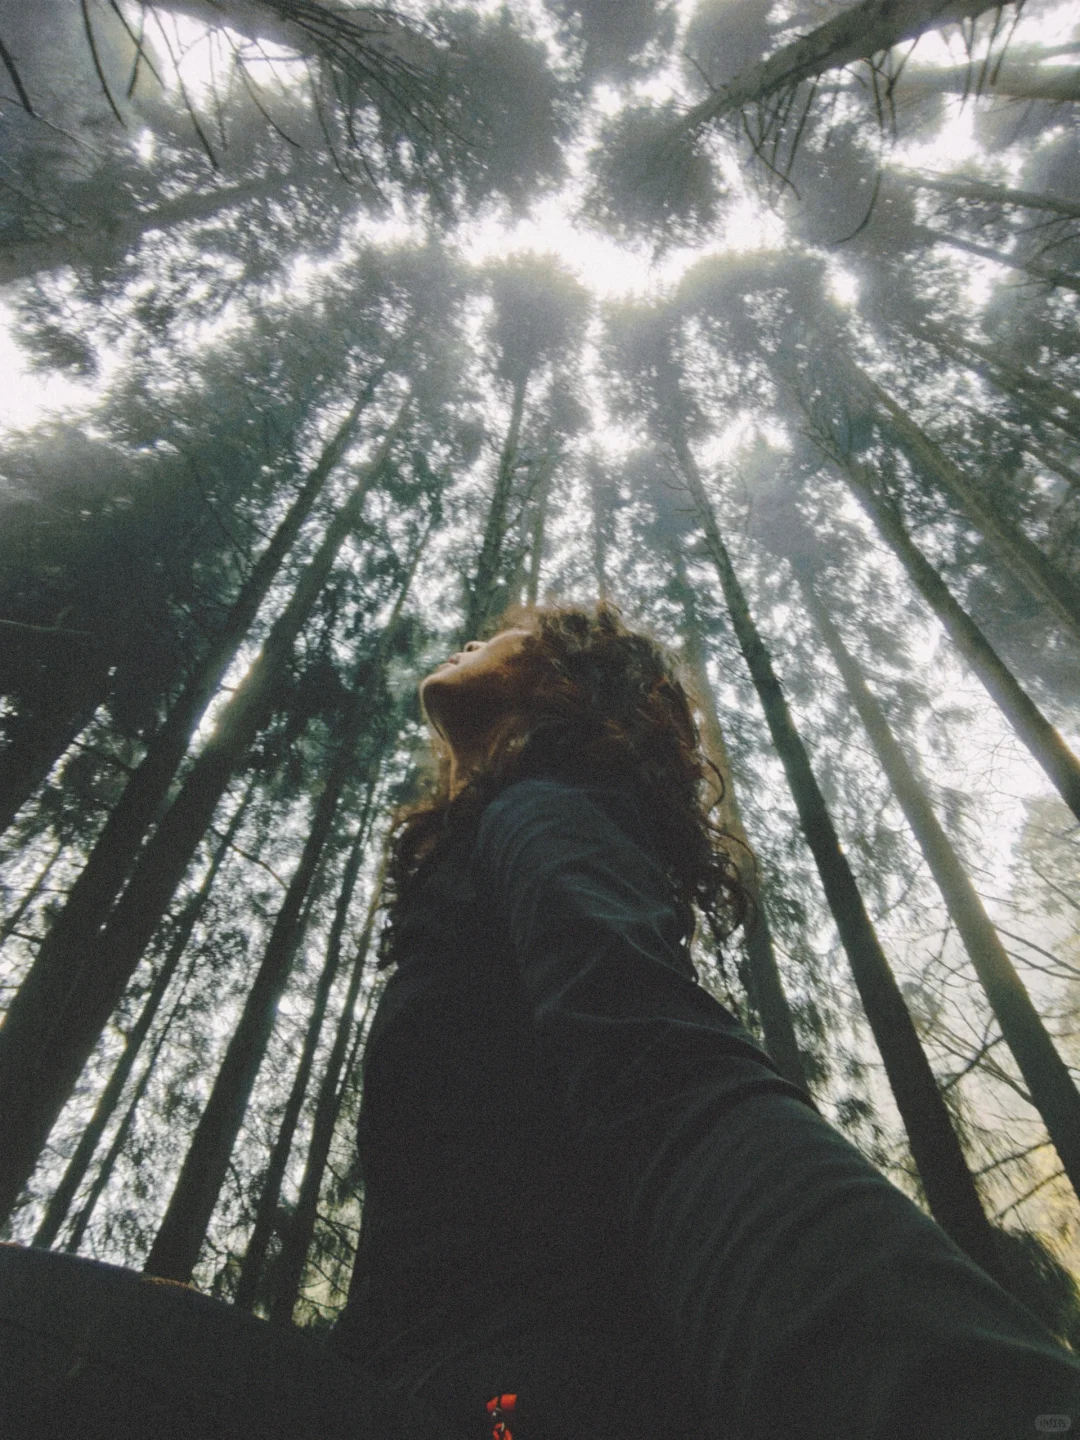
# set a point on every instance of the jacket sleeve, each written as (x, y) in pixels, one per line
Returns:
(797, 1290)
(620, 1018)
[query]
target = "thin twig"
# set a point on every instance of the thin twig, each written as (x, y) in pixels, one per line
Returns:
(140, 47)
(97, 62)
(249, 84)
(16, 80)
(192, 116)
(1055, 1175)
(46, 629)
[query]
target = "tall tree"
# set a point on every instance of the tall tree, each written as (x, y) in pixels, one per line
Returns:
(1052, 1088)
(539, 311)
(1040, 737)
(103, 876)
(176, 1247)
(52, 1025)
(950, 1188)
(448, 109)
(266, 1212)
(764, 982)
(969, 188)
(660, 166)
(60, 1200)
(1054, 590)
(300, 1225)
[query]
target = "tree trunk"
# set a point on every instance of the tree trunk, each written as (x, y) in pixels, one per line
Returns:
(599, 540)
(39, 742)
(11, 924)
(950, 1188)
(765, 984)
(1046, 1075)
(1032, 390)
(99, 245)
(538, 531)
(487, 565)
(120, 1139)
(981, 191)
(1046, 274)
(61, 1198)
(176, 1247)
(146, 793)
(1052, 462)
(1012, 82)
(384, 43)
(1024, 558)
(266, 1213)
(45, 1045)
(1029, 723)
(300, 1227)
(857, 33)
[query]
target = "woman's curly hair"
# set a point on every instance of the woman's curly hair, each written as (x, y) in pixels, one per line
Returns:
(605, 704)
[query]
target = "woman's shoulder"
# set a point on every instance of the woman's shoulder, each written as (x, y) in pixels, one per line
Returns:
(552, 817)
(554, 798)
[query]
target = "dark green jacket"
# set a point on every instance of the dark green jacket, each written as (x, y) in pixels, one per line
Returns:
(584, 1180)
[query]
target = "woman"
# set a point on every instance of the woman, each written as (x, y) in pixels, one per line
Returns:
(592, 1206)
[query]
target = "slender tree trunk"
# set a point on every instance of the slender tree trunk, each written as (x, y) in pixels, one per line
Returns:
(11, 924)
(175, 1250)
(487, 565)
(176, 1246)
(390, 47)
(266, 1213)
(38, 743)
(538, 531)
(99, 244)
(1014, 376)
(980, 190)
(1031, 390)
(1052, 462)
(46, 1043)
(1024, 558)
(120, 1139)
(1027, 720)
(1046, 1075)
(599, 540)
(950, 1188)
(146, 794)
(765, 984)
(300, 1226)
(857, 33)
(1012, 82)
(60, 1201)
(1046, 274)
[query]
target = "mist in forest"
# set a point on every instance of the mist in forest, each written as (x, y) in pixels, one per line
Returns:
(330, 332)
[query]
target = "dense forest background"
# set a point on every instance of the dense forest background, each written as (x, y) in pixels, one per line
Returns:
(331, 330)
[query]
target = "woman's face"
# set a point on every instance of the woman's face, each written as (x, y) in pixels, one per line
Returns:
(472, 690)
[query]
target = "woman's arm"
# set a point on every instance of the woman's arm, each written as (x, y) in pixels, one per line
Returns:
(802, 1292)
(617, 1009)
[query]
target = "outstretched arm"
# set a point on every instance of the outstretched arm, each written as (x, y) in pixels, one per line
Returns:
(802, 1292)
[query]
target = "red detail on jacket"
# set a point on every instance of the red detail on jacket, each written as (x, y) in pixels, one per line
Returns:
(498, 1407)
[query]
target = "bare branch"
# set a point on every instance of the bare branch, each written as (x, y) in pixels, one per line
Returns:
(16, 79)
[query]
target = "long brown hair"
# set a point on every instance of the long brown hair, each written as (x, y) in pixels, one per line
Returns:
(605, 704)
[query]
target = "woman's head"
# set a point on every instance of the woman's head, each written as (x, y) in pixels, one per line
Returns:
(562, 690)
(472, 698)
